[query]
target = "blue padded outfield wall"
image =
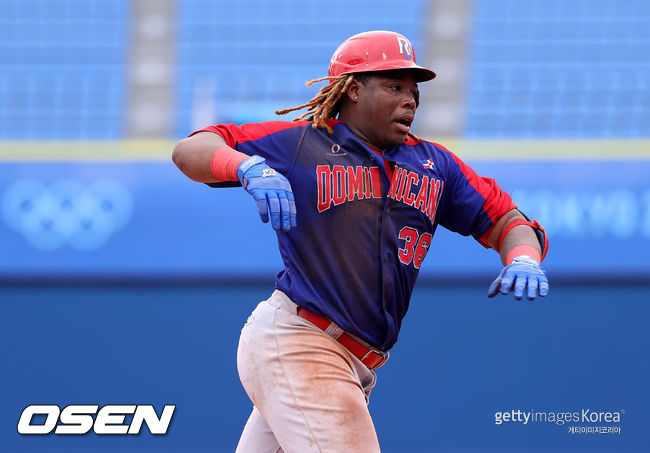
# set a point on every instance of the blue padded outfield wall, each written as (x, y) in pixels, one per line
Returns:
(460, 360)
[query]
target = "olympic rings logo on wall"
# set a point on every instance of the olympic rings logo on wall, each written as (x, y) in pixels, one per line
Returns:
(66, 212)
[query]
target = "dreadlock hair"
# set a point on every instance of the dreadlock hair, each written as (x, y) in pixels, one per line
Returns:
(326, 103)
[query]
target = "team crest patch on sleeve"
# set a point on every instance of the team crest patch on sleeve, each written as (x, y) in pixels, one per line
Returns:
(428, 164)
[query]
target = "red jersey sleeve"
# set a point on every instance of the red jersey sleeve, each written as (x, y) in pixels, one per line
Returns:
(276, 141)
(475, 202)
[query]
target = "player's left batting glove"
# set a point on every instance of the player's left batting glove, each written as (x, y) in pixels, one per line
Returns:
(525, 274)
(271, 191)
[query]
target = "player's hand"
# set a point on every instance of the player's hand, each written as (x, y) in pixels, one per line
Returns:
(524, 274)
(271, 191)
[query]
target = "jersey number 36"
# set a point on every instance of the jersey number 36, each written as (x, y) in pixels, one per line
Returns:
(415, 246)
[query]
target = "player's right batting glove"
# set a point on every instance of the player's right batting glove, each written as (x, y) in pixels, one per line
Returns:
(271, 191)
(525, 274)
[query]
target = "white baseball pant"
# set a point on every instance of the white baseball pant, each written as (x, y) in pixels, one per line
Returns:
(309, 393)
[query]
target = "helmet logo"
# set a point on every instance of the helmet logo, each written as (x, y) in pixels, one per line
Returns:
(405, 47)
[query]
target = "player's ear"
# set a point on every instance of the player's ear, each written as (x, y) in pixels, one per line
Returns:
(352, 91)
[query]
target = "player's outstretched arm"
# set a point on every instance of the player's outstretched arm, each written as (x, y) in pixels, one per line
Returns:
(521, 254)
(193, 155)
(205, 157)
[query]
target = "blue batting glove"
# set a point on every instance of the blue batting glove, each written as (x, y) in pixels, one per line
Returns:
(525, 273)
(271, 191)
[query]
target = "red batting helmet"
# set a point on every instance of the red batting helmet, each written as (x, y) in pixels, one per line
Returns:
(376, 51)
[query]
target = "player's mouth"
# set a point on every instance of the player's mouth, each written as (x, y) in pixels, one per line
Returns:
(403, 123)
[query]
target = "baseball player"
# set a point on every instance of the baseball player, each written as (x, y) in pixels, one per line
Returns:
(355, 199)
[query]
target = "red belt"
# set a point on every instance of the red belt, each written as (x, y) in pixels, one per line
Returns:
(371, 357)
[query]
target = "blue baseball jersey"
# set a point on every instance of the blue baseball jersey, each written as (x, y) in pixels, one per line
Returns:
(365, 217)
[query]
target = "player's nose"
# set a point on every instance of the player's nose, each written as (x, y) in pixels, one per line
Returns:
(409, 101)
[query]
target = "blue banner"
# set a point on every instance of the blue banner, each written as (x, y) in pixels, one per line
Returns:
(596, 214)
(146, 219)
